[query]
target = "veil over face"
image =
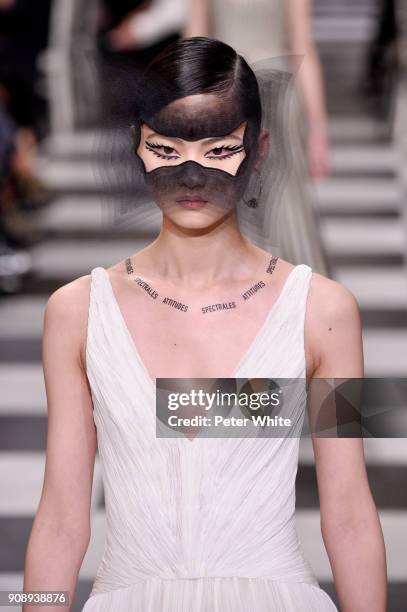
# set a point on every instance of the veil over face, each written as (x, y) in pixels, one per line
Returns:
(200, 146)
(137, 101)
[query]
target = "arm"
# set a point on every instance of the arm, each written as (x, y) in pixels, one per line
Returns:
(198, 19)
(143, 28)
(350, 523)
(310, 81)
(61, 529)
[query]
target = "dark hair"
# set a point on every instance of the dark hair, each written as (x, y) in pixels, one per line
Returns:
(191, 66)
(204, 65)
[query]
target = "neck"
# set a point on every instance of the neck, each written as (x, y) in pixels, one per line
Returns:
(200, 258)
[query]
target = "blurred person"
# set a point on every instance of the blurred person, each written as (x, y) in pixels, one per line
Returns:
(18, 182)
(132, 33)
(206, 523)
(14, 263)
(140, 29)
(86, 39)
(401, 21)
(282, 28)
(23, 35)
(382, 63)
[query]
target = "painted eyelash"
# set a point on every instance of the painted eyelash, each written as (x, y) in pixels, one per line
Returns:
(150, 146)
(234, 149)
(230, 147)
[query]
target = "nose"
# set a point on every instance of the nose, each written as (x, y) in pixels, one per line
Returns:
(192, 175)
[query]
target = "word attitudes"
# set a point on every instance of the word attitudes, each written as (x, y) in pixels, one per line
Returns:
(129, 267)
(153, 294)
(215, 307)
(205, 309)
(272, 264)
(247, 294)
(175, 304)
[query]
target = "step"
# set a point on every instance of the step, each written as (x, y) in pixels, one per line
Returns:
(377, 287)
(356, 129)
(351, 195)
(378, 451)
(385, 352)
(95, 214)
(21, 317)
(69, 175)
(22, 474)
(395, 536)
(70, 259)
(364, 237)
(72, 144)
(370, 159)
(74, 213)
(22, 389)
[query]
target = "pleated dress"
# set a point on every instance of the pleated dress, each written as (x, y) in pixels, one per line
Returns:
(196, 526)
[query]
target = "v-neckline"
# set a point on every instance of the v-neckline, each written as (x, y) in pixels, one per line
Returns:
(245, 355)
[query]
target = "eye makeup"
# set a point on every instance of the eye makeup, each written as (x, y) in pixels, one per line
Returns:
(168, 153)
(233, 150)
(225, 152)
(160, 150)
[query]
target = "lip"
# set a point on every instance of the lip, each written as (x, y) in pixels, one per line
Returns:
(191, 201)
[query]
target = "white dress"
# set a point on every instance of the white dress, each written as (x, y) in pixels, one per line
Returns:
(201, 526)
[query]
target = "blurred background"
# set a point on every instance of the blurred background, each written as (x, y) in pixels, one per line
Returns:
(54, 224)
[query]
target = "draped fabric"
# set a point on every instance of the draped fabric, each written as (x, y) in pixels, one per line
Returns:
(202, 525)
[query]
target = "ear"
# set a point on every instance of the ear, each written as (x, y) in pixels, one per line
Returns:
(263, 144)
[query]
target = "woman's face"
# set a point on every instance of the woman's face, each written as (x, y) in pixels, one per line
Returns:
(224, 153)
(192, 152)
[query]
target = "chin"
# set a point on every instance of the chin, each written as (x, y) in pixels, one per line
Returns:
(200, 219)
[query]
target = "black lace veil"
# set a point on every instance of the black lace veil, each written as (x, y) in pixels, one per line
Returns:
(128, 204)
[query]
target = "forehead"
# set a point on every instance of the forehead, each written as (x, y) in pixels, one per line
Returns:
(197, 117)
(237, 134)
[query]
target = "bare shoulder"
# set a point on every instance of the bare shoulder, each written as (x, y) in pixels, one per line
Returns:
(332, 318)
(66, 312)
(70, 301)
(329, 300)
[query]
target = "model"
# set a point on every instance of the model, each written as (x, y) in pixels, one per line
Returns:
(198, 523)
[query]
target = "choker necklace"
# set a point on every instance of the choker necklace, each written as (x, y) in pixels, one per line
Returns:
(204, 309)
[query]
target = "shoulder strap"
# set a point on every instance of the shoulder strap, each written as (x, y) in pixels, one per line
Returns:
(107, 331)
(96, 314)
(293, 295)
(295, 300)
(302, 289)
